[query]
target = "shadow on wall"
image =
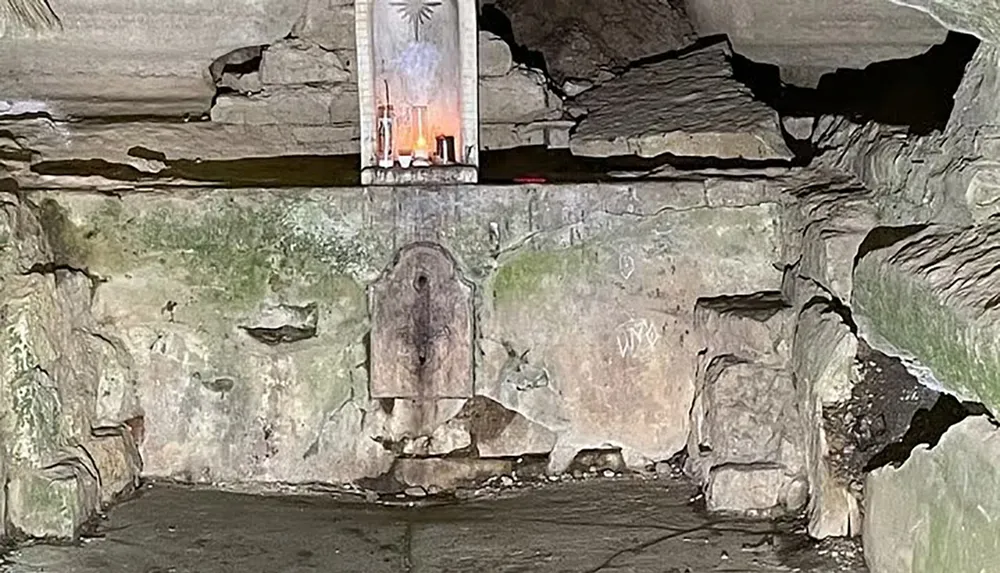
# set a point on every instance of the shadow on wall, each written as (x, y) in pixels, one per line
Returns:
(915, 92)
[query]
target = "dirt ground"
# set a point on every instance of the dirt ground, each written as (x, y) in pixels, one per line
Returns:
(579, 526)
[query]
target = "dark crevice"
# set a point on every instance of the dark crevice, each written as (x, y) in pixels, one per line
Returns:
(698, 45)
(926, 427)
(496, 167)
(228, 69)
(884, 237)
(916, 92)
(493, 20)
(134, 118)
(145, 153)
(760, 306)
(561, 166)
(834, 305)
(92, 168)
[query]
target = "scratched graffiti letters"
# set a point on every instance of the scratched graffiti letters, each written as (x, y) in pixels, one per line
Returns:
(626, 265)
(635, 336)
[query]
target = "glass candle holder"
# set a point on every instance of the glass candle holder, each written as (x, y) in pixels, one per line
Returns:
(421, 145)
(386, 136)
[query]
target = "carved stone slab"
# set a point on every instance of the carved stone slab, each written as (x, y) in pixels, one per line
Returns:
(421, 341)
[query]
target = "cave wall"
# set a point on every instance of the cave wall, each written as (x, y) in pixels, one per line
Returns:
(583, 297)
(62, 457)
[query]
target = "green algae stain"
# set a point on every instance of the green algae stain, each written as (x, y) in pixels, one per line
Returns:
(532, 272)
(241, 253)
(910, 317)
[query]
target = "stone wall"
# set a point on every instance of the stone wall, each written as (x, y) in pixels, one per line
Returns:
(290, 78)
(584, 299)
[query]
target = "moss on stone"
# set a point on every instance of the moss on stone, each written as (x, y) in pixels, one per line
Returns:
(907, 315)
(530, 272)
(243, 252)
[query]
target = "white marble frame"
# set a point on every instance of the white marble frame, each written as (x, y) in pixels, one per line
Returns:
(468, 35)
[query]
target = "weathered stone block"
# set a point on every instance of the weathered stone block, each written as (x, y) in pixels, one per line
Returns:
(687, 106)
(750, 414)
(277, 106)
(938, 511)
(520, 96)
(53, 503)
(304, 106)
(449, 437)
(756, 328)
(297, 62)
(494, 55)
(745, 488)
(329, 23)
(519, 437)
(930, 299)
(983, 193)
(448, 473)
(117, 462)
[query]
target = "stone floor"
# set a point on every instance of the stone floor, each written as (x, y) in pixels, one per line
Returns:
(577, 526)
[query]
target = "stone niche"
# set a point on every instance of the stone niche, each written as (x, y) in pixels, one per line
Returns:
(418, 82)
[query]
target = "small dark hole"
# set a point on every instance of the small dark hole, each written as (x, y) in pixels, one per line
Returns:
(420, 283)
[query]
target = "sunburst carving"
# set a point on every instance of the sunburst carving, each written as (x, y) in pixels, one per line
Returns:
(416, 12)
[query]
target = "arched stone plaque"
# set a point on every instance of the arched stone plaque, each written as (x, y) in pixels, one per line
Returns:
(421, 341)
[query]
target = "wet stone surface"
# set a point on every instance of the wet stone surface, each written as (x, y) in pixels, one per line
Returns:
(637, 525)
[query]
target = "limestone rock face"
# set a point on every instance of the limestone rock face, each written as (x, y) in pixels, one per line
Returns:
(284, 106)
(930, 298)
(57, 360)
(587, 39)
(136, 58)
(494, 56)
(945, 177)
(328, 23)
(807, 38)
(520, 96)
(937, 512)
(688, 106)
(297, 62)
(746, 445)
(979, 18)
(52, 503)
(186, 277)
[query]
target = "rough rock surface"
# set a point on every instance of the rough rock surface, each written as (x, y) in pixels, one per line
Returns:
(931, 298)
(688, 106)
(495, 58)
(134, 57)
(181, 274)
(807, 38)
(977, 17)
(590, 39)
(938, 511)
(61, 459)
(944, 177)
(745, 443)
